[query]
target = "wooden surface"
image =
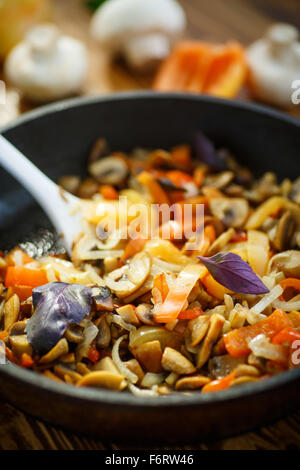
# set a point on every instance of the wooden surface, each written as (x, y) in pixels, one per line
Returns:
(215, 20)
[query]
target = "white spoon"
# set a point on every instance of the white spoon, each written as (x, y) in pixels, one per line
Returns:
(44, 191)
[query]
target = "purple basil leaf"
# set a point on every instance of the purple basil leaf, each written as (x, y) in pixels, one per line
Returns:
(232, 272)
(56, 305)
(206, 152)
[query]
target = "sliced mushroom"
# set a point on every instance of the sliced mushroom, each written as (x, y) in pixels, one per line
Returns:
(103, 338)
(219, 180)
(70, 183)
(288, 262)
(103, 379)
(233, 212)
(88, 188)
(284, 231)
(58, 350)
(107, 240)
(103, 299)
(149, 356)
(193, 382)
(134, 366)
(74, 333)
(145, 314)
(196, 330)
(245, 369)
(242, 380)
(109, 170)
(215, 328)
(17, 328)
(126, 280)
(217, 224)
(11, 311)
(100, 148)
(19, 345)
(62, 371)
(174, 361)
(127, 312)
(106, 364)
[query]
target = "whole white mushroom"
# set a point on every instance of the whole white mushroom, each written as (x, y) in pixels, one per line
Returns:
(47, 65)
(274, 64)
(141, 30)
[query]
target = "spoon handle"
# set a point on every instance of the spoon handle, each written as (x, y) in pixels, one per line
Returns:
(44, 191)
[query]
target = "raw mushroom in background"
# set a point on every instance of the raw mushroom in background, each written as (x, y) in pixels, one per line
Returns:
(47, 65)
(142, 31)
(274, 63)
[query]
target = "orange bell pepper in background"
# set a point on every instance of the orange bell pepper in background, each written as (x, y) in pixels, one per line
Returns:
(201, 67)
(236, 341)
(22, 276)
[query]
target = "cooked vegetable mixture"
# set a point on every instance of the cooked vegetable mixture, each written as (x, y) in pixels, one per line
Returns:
(159, 315)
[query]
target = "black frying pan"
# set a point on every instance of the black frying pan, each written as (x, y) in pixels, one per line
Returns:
(58, 138)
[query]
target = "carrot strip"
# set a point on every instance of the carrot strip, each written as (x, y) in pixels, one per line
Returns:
(179, 292)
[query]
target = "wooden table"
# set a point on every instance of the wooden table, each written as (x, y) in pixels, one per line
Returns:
(215, 20)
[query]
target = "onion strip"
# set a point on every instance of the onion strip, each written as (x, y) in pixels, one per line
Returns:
(133, 378)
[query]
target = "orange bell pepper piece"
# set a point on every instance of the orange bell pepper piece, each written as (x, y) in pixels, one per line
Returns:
(214, 288)
(23, 292)
(108, 192)
(190, 314)
(290, 282)
(133, 247)
(287, 335)
(22, 276)
(156, 191)
(26, 361)
(236, 341)
(181, 155)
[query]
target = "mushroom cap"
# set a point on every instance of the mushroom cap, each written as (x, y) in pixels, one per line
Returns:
(117, 19)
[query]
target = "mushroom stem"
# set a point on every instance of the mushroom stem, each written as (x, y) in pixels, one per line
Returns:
(147, 50)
